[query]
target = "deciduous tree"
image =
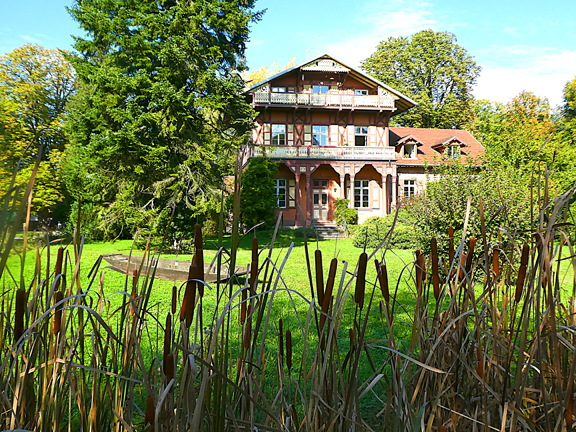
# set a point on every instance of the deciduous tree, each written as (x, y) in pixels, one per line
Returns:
(431, 68)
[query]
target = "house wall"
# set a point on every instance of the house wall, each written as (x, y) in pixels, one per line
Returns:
(376, 199)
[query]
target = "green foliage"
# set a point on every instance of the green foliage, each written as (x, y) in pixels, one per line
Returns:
(343, 212)
(373, 231)
(35, 84)
(504, 192)
(159, 114)
(257, 200)
(433, 70)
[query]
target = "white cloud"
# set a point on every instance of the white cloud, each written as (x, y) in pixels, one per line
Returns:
(543, 71)
(29, 39)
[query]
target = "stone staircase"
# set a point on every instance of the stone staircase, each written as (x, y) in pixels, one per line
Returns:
(328, 231)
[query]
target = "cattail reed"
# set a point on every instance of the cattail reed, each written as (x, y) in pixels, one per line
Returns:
(435, 272)
(58, 297)
(247, 333)
(174, 298)
(58, 268)
(419, 270)
(569, 408)
(319, 277)
(496, 262)
(254, 266)
(289, 349)
(199, 258)
(243, 305)
(451, 245)
(470, 255)
(19, 314)
(187, 311)
(352, 336)
(167, 336)
(383, 280)
(134, 289)
(327, 300)
(522, 272)
(480, 368)
(361, 280)
(149, 413)
(169, 367)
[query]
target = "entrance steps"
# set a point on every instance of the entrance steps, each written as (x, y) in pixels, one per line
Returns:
(328, 231)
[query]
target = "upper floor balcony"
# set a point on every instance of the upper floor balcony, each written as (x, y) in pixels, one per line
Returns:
(340, 100)
(324, 152)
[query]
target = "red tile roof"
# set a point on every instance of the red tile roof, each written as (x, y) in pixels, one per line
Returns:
(432, 139)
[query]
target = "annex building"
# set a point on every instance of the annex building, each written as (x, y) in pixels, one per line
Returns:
(328, 126)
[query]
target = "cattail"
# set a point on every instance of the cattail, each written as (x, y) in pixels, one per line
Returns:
(289, 349)
(254, 266)
(169, 367)
(187, 311)
(480, 368)
(361, 280)
(58, 268)
(327, 300)
(451, 244)
(352, 336)
(319, 276)
(496, 262)
(419, 270)
(442, 429)
(243, 305)
(19, 314)
(461, 268)
(470, 255)
(167, 336)
(383, 279)
(522, 272)
(199, 258)
(58, 297)
(281, 338)
(247, 333)
(149, 413)
(174, 298)
(435, 273)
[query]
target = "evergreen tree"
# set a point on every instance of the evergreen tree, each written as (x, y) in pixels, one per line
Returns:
(159, 115)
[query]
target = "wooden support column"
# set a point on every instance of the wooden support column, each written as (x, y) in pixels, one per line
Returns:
(298, 218)
(342, 185)
(394, 190)
(309, 194)
(383, 202)
(352, 176)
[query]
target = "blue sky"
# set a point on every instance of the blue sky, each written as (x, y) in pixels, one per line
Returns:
(520, 44)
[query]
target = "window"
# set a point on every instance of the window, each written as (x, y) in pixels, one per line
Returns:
(409, 151)
(278, 134)
(361, 136)
(320, 89)
(280, 192)
(320, 135)
(278, 89)
(361, 92)
(409, 188)
(361, 193)
(453, 151)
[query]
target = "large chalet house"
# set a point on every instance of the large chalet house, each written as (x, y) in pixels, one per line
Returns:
(328, 126)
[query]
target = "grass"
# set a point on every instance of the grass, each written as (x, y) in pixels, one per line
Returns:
(432, 344)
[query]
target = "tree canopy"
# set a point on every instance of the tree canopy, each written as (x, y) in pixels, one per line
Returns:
(432, 69)
(35, 86)
(159, 114)
(258, 75)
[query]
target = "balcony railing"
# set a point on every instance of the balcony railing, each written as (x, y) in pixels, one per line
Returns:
(331, 100)
(324, 152)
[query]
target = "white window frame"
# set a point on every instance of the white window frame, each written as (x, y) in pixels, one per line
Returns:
(278, 89)
(409, 154)
(361, 193)
(453, 151)
(409, 190)
(361, 131)
(279, 186)
(324, 133)
(320, 87)
(278, 134)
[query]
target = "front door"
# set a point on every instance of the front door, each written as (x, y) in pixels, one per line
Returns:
(320, 199)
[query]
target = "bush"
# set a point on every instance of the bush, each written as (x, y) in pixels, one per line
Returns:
(371, 233)
(257, 200)
(343, 212)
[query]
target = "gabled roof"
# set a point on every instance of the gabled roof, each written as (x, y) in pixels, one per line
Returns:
(404, 102)
(433, 141)
(407, 138)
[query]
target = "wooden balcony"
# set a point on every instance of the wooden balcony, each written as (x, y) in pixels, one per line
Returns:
(324, 152)
(324, 100)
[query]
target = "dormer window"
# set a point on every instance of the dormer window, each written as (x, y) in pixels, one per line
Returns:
(278, 89)
(409, 151)
(453, 152)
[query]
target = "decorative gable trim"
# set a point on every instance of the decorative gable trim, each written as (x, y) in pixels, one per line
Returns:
(325, 65)
(452, 141)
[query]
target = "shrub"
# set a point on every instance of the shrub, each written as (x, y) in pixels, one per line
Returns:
(343, 212)
(371, 233)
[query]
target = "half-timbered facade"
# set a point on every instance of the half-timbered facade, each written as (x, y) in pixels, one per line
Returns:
(328, 126)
